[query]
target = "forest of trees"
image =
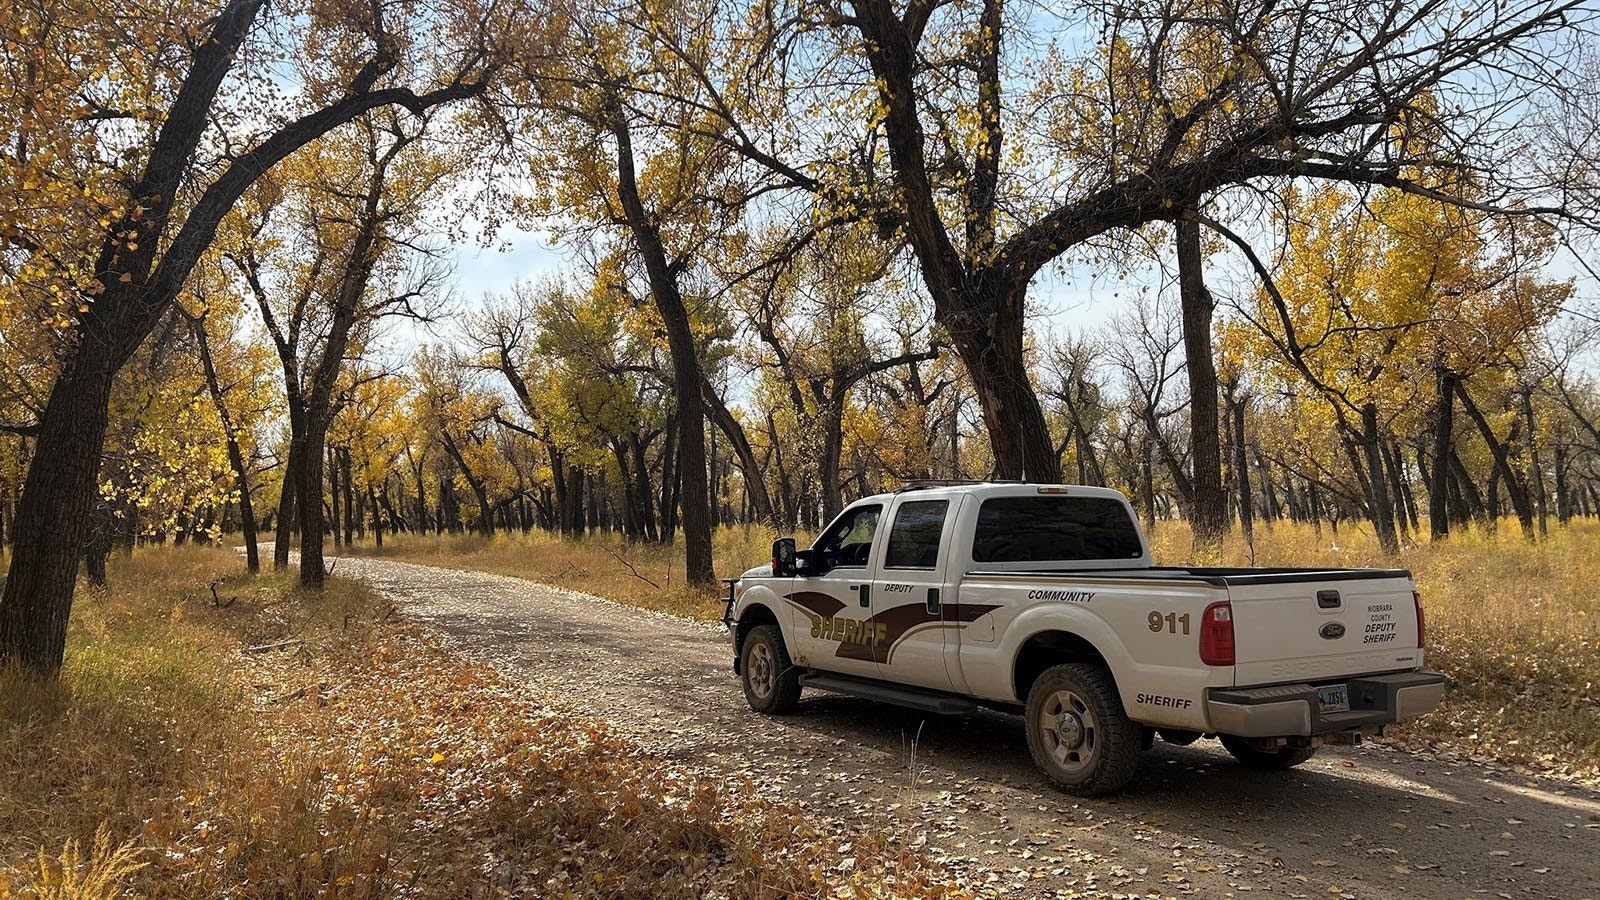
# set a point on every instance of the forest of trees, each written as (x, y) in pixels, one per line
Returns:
(807, 251)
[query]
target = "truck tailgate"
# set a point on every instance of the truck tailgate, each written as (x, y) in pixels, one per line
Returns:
(1307, 629)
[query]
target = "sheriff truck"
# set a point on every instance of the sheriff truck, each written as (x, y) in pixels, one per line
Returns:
(1043, 600)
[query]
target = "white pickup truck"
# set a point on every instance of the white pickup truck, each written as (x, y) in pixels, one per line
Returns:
(1042, 599)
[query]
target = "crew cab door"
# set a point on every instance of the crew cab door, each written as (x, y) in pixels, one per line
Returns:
(913, 602)
(830, 600)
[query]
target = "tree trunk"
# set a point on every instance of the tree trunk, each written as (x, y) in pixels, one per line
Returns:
(997, 366)
(350, 512)
(1471, 499)
(332, 464)
(1535, 471)
(686, 377)
(101, 524)
(1443, 434)
(1397, 491)
(52, 519)
(377, 516)
(1241, 467)
(241, 472)
(749, 466)
(1208, 506)
(1147, 483)
(289, 494)
(1502, 465)
(669, 481)
(1383, 510)
(1563, 495)
(313, 569)
(832, 449)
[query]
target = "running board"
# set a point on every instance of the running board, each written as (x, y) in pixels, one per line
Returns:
(883, 692)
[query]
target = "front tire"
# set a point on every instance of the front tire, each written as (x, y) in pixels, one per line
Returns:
(1254, 757)
(771, 682)
(1078, 733)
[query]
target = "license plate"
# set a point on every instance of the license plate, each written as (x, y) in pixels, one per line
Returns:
(1334, 698)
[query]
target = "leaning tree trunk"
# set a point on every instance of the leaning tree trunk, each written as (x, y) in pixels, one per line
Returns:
(52, 518)
(241, 472)
(1208, 507)
(686, 377)
(1381, 507)
(748, 464)
(1502, 466)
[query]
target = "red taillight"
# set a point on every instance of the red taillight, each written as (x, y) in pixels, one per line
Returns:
(1422, 622)
(1216, 635)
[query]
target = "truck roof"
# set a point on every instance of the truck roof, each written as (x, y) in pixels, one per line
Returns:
(1004, 488)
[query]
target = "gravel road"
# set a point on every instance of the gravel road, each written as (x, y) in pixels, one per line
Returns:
(1372, 822)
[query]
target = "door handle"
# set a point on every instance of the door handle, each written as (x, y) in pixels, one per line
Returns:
(866, 593)
(933, 601)
(1328, 600)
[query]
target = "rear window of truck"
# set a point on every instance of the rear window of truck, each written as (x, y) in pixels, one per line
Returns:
(1040, 529)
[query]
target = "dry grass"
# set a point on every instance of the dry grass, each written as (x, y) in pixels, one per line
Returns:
(348, 756)
(1516, 627)
(598, 564)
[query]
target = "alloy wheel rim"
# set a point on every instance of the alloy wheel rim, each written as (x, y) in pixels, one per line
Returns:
(763, 671)
(1071, 731)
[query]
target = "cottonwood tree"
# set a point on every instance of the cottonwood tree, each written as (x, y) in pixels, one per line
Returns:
(610, 144)
(816, 326)
(155, 191)
(1003, 161)
(1371, 305)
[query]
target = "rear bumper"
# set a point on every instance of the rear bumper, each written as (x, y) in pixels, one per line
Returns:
(1288, 710)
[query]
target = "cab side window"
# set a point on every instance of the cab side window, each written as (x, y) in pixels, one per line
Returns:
(849, 541)
(914, 541)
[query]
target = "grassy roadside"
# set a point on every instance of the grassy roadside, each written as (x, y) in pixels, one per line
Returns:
(287, 745)
(1516, 627)
(646, 575)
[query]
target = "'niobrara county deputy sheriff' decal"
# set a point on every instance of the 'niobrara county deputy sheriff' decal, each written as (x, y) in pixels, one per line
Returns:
(875, 638)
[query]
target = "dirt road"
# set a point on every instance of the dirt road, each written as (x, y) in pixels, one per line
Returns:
(1365, 823)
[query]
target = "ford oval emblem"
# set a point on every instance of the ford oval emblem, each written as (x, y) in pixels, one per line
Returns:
(1332, 631)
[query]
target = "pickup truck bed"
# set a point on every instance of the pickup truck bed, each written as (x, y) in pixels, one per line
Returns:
(1216, 575)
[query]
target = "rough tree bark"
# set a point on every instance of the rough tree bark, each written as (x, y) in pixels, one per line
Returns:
(686, 377)
(1208, 506)
(1443, 434)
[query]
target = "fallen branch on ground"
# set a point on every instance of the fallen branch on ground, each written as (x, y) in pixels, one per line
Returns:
(631, 570)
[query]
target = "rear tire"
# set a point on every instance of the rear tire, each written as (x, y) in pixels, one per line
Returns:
(1078, 733)
(771, 682)
(1254, 757)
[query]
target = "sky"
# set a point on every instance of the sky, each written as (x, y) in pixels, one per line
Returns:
(1080, 301)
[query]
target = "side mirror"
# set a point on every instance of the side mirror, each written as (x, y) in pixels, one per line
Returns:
(783, 557)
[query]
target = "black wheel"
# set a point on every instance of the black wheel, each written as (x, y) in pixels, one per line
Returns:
(1078, 733)
(771, 682)
(1254, 757)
